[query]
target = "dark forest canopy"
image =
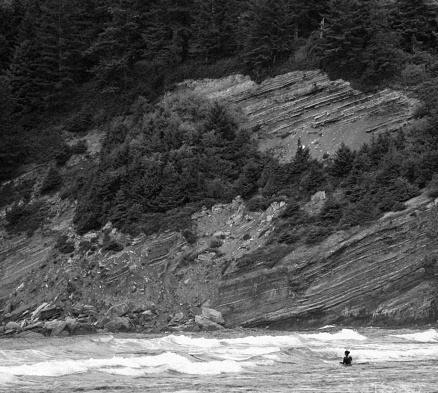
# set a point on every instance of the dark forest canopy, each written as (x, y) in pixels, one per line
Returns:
(48, 47)
(83, 61)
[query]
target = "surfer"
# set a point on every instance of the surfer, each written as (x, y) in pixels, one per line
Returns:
(347, 359)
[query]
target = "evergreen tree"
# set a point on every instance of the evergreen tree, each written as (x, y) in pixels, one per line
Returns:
(267, 32)
(345, 35)
(213, 29)
(343, 161)
(120, 45)
(415, 21)
(12, 151)
(11, 15)
(302, 158)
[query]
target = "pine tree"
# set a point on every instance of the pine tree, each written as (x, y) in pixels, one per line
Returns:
(12, 151)
(120, 45)
(302, 158)
(213, 29)
(343, 161)
(345, 35)
(267, 31)
(11, 15)
(220, 122)
(416, 22)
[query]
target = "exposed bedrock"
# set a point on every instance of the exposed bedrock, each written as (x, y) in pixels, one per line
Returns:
(384, 274)
(308, 105)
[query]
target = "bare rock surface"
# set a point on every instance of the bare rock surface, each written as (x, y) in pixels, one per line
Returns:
(384, 274)
(308, 105)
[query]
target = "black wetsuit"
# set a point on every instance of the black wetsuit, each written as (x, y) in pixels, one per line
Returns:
(347, 361)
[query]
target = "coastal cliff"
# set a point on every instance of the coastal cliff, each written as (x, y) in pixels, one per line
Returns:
(384, 273)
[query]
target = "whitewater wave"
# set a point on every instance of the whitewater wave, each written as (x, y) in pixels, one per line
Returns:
(344, 334)
(429, 336)
(133, 366)
(136, 357)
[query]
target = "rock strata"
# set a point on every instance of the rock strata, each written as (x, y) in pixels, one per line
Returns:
(386, 273)
(309, 106)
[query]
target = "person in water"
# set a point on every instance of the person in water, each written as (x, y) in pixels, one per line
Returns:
(347, 359)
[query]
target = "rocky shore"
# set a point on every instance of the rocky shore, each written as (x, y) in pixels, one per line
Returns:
(60, 319)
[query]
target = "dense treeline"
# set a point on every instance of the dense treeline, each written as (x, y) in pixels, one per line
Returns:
(49, 47)
(159, 164)
(185, 152)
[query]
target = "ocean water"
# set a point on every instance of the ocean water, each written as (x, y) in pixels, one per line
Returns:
(234, 361)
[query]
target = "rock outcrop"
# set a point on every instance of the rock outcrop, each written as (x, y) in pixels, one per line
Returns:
(386, 273)
(308, 105)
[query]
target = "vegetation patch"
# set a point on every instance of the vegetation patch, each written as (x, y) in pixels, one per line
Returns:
(65, 245)
(27, 218)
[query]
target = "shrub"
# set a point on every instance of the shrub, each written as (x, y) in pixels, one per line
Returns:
(84, 246)
(189, 236)
(413, 74)
(317, 235)
(398, 207)
(359, 213)
(288, 237)
(432, 189)
(27, 218)
(79, 122)
(62, 154)
(112, 245)
(215, 243)
(258, 203)
(10, 192)
(291, 210)
(52, 181)
(80, 147)
(64, 245)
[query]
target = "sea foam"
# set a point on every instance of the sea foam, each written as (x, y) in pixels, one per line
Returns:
(344, 334)
(429, 336)
(132, 366)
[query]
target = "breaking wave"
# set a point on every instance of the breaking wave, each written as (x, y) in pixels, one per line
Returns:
(137, 357)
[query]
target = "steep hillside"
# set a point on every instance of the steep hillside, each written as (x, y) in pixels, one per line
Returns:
(383, 273)
(309, 106)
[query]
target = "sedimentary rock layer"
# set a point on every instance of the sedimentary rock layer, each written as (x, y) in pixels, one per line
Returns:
(386, 273)
(308, 105)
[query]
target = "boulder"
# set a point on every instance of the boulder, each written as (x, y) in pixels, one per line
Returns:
(119, 310)
(12, 326)
(72, 323)
(207, 325)
(50, 312)
(213, 315)
(59, 329)
(83, 328)
(178, 319)
(220, 234)
(19, 311)
(7, 308)
(191, 327)
(150, 306)
(30, 334)
(37, 312)
(119, 324)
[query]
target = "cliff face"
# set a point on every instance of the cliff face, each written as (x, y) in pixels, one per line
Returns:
(308, 105)
(385, 273)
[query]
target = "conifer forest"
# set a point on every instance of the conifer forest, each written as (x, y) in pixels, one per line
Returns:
(68, 66)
